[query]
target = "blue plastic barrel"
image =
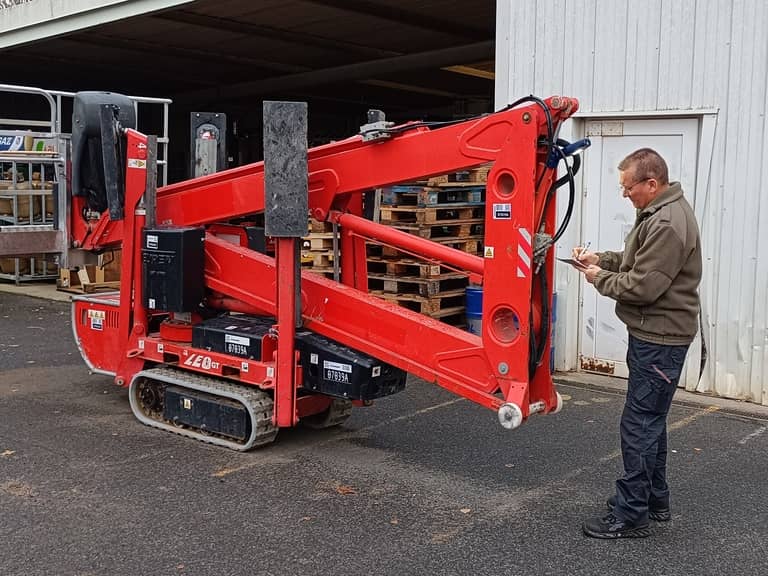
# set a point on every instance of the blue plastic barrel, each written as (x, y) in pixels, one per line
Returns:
(474, 309)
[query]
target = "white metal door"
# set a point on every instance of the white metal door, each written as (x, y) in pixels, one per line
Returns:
(607, 218)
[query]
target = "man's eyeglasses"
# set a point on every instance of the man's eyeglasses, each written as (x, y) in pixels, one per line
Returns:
(628, 189)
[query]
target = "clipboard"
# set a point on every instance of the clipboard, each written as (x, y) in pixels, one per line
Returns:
(575, 263)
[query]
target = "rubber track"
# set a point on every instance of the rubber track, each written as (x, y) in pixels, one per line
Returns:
(258, 403)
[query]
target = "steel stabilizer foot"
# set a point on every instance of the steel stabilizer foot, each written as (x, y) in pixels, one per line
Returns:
(559, 405)
(510, 416)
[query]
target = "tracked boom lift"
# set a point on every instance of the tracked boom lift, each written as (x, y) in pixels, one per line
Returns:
(219, 335)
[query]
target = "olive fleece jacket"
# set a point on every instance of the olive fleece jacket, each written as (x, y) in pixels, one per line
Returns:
(655, 279)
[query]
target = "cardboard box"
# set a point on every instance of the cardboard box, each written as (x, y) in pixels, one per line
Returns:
(8, 265)
(89, 274)
(22, 206)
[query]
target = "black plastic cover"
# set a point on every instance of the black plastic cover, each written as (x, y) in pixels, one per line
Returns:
(336, 370)
(98, 156)
(173, 262)
(205, 412)
(239, 335)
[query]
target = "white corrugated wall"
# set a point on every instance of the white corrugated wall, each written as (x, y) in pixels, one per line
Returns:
(661, 55)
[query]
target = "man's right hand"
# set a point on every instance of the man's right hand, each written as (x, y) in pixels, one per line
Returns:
(588, 258)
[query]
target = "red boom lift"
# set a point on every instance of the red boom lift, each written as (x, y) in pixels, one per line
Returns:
(221, 340)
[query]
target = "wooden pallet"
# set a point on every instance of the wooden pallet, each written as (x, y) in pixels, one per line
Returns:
(432, 215)
(472, 175)
(318, 241)
(428, 287)
(471, 245)
(438, 306)
(446, 230)
(404, 267)
(426, 196)
(320, 259)
(318, 227)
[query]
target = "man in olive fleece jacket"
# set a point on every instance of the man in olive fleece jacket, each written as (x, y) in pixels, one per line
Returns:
(655, 284)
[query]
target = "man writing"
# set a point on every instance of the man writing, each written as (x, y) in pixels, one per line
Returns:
(655, 284)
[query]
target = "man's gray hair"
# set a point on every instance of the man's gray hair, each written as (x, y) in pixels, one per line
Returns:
(646, 163)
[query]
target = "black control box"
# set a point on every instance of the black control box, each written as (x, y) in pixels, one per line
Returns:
(238, 335)
(213, 414)
(173, 264)
(336, 370)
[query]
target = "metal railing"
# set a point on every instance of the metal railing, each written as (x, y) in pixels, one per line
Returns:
(55, 99)
(37, 229)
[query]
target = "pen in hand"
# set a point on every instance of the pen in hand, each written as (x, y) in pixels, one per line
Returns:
(583, 251)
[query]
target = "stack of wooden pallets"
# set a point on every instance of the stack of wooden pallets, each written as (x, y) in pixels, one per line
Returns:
(317, 248)
(448, 210)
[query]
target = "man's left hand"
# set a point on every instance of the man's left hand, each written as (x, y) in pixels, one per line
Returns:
(591, 273)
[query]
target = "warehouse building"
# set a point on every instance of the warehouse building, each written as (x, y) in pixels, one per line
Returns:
(687, 78)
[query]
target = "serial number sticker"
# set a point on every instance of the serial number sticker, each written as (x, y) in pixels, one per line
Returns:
(502, 211)
(232, 339)
(237, 349)
(152, 241)
(338, 366)
(97, 324)
(336, 376)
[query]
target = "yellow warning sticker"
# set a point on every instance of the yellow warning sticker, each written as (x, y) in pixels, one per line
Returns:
(136, 163)
(488, 252)
(98, 314)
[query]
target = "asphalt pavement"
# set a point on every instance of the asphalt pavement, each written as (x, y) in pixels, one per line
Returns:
(421, 483)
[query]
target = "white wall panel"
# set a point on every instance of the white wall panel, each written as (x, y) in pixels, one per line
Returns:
(578, 71)
(675, 50)
(641, 74)
(644, 58)
(610, 55)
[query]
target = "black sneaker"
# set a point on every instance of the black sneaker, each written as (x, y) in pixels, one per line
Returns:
(609, 527)
(657, 513)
